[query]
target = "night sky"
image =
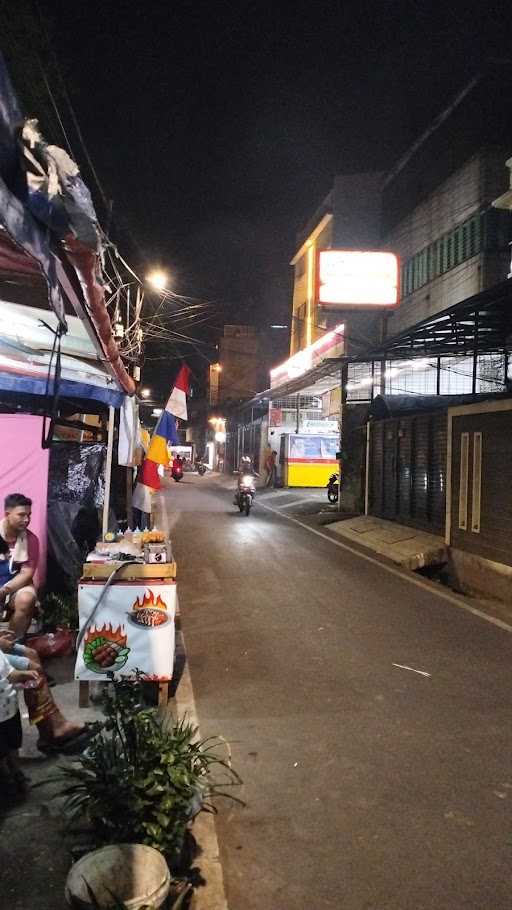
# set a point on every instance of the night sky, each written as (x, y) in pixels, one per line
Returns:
(217, 128)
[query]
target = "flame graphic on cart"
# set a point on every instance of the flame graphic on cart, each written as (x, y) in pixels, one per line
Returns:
(149, 601)
(150, 612)
(105, 648)
(118, 634)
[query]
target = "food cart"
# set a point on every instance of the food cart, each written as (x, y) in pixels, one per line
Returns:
(127, 600)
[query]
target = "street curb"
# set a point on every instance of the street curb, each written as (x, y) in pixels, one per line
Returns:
(212, 896)
(391, 568)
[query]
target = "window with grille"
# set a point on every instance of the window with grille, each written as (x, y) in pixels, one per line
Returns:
(490, 230)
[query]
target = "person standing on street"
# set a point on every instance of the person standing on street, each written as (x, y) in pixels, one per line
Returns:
(270, 466)
(267, 464)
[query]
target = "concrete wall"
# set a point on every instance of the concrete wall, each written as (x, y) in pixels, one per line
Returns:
(449, 205)
(458, 284)
(475, 575)
(239, 356)
(473, 186)
(354, 464)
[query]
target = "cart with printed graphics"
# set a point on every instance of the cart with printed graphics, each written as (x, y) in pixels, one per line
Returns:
(126, 624)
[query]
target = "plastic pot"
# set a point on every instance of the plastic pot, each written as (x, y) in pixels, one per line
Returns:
(133, 873)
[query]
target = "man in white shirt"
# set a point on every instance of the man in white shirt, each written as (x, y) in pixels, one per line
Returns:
(10, 722)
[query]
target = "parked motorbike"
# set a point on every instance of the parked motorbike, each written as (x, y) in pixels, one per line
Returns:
(333, 489)
(245, 493)
(200, 468)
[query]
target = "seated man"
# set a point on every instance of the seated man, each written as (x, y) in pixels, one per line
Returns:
(18, 561)
(19, 555)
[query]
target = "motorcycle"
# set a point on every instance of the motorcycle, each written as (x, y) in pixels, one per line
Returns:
(177, 472)
(333, 489)
(200, 468)
(245, 493)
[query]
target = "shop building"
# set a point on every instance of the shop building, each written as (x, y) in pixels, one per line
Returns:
(237, 373)
(434, 210)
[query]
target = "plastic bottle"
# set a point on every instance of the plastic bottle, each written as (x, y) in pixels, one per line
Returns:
(128, 535)
(137, 537)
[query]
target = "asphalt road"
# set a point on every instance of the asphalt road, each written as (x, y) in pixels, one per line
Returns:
(367, 786)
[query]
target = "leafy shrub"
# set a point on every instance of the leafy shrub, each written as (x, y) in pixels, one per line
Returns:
(143, 778)
(60, 610)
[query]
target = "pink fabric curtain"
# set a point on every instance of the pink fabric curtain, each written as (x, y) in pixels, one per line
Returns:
(24, 469)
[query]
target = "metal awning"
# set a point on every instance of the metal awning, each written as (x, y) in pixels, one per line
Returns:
(320, 379)
(482, 324)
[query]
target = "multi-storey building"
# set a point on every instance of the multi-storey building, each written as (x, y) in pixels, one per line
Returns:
(348, 218)
(434, 209)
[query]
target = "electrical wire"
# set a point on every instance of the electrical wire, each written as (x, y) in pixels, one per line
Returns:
(56, 109)
(71, 109)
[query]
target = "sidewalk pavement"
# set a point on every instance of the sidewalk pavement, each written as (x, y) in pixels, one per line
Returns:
(40, 818)
(34, 848)
(405, 546)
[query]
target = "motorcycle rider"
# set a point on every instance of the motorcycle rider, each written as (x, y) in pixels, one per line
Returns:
(177, 467)
(245, 469)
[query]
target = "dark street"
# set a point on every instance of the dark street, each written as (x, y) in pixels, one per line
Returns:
(367, 785)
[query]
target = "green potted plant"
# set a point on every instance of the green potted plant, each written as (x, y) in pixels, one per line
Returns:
(144, 778)
(60, 611)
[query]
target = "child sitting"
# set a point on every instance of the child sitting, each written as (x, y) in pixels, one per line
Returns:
(10, 723)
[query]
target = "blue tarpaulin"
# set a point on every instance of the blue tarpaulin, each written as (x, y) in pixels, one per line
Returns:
(11, 382)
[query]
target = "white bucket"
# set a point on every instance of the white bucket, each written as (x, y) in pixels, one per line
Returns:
(133, 873)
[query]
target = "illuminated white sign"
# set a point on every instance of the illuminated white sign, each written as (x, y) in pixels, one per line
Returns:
(329, 345)
(357, 278)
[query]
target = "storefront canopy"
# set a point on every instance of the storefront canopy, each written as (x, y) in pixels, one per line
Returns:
(482, 324)
(320, 379)
(26, 341)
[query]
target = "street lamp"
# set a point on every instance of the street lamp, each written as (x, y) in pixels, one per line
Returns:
(158, 279)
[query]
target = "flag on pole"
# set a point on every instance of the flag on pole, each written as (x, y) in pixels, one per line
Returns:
(165, 434)
(177, 404)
